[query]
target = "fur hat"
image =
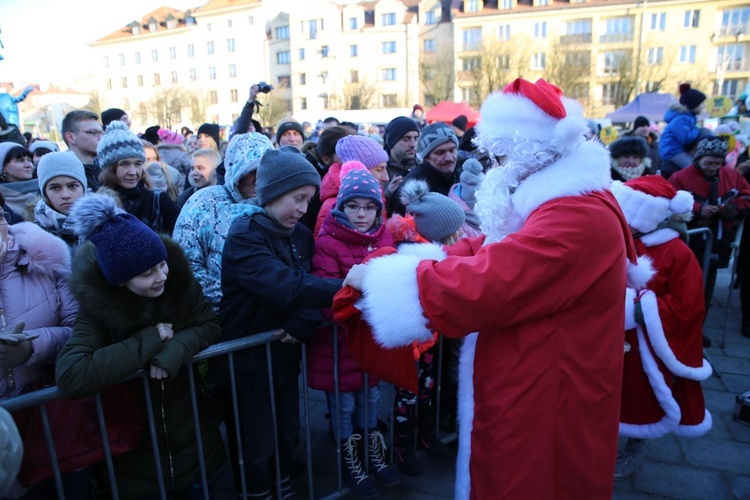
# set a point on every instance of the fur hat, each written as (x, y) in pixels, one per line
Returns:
(286, 126)
(432, 136)
(536, 111)
(283, 170)
(362, 149)
(118, 143)
(691, 98)
(125, 246)
(358, 182)
(168, 137)
(66, 163)
(110, 115)
(44, 144)
(711, 146)
(629, 145)
(648, 201)
(212, 130)
(437, 217)
(397, 128)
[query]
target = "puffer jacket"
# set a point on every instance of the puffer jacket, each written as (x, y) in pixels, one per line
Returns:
(34, 275)
(681, 131)
(338, 249)
(115, 336)
(175, 156)
(329, 191)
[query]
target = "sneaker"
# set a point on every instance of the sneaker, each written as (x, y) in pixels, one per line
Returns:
(383, 473)
(626, 466)
(408, 464)
(360, 483)
(434, 447)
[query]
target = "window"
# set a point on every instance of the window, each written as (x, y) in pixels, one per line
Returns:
(303, 103)
(136, 29)
(618, 29)
(472, 38)
(579, 58)
(354, 76)
(471, 63)
(109, 84)
(503, 32)
(191, 50)
(140, 80)
(687, 54)
(389, 100)
(212, 72)
(692, 19)
(430, 17)
(730, 88)
(506, 4)
(353, 23)
(106, 62)
(735, 21)
(154, 55)
(230, 44)
(171, 24)
(250, 20)
(209, 48)
(172, 53)
(578, 31)
(122, 59)
(610, 93)
(388, 19)
(542, 3)
(208, 26)
(388, 47)
(323, 76)
(324, 51)
(157, 79)
(124, 81)
(579, 91)
(312, 29)
(152, 26)
(655, 56)
(174, 77)
(658, 22)
(229, 23)
(284, 81)
(538, 60)
(615, 61)
(353, 51)
(429, 45)
(282, 33)
(389, 74)
(282, 57)
(193, 75)
(233, 95)
(324, 101)
(303, 78)
(471, 6)
(503, 61)
(232, 71)
(138, 58)
(731, 57)
(540, 29)
(213, 97)
(301, 54)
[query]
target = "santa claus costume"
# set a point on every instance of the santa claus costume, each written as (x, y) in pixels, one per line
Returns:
(661, 390)
(544, 290)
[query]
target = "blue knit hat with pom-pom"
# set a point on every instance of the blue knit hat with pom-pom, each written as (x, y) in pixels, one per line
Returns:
(118, 143)
(125, 246)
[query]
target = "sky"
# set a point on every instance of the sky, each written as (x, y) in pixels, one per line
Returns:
(46, 40)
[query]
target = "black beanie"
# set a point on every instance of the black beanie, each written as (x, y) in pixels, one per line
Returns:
(460, 122)
(397, 128)
(152, 135)
(691, 98)
(283, 127)
(629, 145)
(110, 115)
(641, 121)
(212, 130)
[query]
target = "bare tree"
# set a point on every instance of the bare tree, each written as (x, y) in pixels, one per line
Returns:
(358, 95)
(437, 74)
(197, 103)
(273, 107)
(166, 106)
(567, 66)
(94, 103)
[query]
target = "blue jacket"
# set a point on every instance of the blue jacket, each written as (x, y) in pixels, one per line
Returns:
(681, 131)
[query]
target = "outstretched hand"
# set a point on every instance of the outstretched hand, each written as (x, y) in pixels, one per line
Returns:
(356, 276)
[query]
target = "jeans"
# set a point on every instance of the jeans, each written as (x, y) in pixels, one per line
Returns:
(352, 407)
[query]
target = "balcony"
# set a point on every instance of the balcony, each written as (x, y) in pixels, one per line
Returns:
(616, 37)
(732, 30)
(574, 39)
(734, 65)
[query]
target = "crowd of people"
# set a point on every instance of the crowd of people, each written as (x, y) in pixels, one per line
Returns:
(522, 240)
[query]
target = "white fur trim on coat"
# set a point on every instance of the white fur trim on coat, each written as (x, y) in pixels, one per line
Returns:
(695, 430)
(641, 273)
(390, 301)
(630, 296)
(652, 321)
(465, 416)
(48, 254)
(659, 237)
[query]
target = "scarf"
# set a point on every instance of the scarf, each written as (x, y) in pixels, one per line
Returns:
(53, 221)
(630, 172)
(272, 227)
(131, 198)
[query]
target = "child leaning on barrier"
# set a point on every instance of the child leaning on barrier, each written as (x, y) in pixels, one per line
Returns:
(350, 232)
(140, 308)
(266, 286)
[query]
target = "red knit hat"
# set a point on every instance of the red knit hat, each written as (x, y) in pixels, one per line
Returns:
(649, 200)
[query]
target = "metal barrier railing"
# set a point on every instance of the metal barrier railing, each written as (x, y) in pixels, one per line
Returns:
(708, 236)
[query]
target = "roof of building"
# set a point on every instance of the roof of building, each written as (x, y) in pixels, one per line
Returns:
(161, 15)
(223, 4)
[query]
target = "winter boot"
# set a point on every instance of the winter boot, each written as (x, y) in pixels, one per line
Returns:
(384, 474)
(264, 495)
(629, 462)
(287, 493)
(360, 483)
(428, 438)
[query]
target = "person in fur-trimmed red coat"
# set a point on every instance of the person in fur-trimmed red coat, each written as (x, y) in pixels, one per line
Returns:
(661, 390)
(539, 382)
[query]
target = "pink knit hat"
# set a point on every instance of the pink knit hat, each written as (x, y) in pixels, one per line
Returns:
(169, 137)
(362, 149)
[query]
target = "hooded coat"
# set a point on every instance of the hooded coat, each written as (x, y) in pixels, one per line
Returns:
(680, 132)
(34, 288)
(115, 336)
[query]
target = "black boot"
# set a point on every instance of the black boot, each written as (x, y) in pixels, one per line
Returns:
(384, 475)
(360, 483)
(428, 438)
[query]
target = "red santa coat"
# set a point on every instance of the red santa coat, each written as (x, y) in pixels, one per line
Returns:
(549, 349)
(661, 391)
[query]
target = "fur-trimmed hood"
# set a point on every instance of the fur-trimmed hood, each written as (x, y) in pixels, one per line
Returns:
(120, 312)
(40, 251)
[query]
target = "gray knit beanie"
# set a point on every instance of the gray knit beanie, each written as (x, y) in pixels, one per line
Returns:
(118, 143)
(436, 216)
(66, 163)
(433, 136)
(283, 170)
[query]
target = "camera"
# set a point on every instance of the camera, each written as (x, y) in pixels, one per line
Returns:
(265, 87)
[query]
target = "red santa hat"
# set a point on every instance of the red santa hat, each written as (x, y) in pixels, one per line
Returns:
(649, 200)
(536, 111)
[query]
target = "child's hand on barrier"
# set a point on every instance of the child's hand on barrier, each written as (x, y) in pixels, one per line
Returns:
(157, 373)
(285, 337)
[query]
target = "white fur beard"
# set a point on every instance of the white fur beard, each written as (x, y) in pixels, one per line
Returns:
(494, 205)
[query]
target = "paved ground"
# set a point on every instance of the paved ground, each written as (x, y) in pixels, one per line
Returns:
(715, 466)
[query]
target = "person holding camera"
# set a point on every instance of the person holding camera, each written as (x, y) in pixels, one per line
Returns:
(246, 123)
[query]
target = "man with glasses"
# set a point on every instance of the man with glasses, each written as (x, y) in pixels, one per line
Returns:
(81, 132)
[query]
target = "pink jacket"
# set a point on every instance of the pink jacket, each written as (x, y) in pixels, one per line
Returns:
(338, 249)
(34, 288)
(329, 191)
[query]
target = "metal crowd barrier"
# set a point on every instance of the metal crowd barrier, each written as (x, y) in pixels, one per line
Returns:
(229, 348)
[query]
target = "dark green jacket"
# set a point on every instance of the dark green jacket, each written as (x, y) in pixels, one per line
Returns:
(115, 336)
